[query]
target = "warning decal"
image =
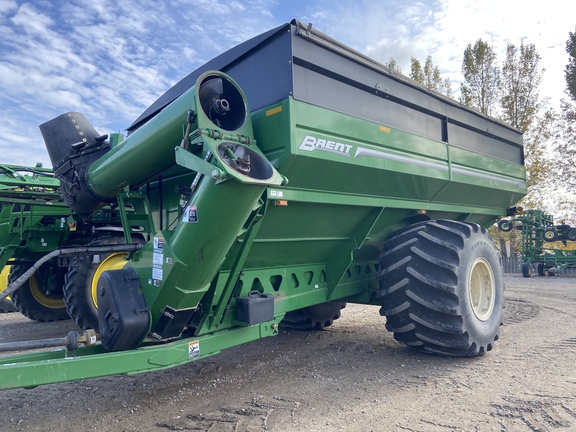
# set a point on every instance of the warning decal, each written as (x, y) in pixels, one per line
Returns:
(193, 349)
(191, 214)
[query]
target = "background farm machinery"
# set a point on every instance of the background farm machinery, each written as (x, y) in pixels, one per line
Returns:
(33, 221)
(537, 229)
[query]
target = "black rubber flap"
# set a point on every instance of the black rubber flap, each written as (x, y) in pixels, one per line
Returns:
(123, 316)
(62, 132)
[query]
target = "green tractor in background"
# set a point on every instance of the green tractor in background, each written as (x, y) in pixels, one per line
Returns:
(34, 221)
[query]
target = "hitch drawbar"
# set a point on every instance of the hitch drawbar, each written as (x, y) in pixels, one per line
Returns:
(71, 342)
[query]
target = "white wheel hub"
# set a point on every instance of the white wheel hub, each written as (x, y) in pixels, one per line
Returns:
(482, 289)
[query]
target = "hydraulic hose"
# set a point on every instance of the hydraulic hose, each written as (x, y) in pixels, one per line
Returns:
(65, 251)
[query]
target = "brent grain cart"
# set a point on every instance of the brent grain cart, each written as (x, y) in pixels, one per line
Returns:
(286, 177)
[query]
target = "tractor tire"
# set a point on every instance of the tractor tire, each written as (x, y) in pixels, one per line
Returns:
(80, 285)
(441, 288)
(505, 225)
(571, 234)
(526, 269)
(550, 235)
(40, 297)
(6, 305)
(541, 269)
(315, 317)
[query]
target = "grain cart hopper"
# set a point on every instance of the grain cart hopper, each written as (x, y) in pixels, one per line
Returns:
(286, 177)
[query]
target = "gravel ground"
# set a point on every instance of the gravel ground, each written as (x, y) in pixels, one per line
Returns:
(351, 377)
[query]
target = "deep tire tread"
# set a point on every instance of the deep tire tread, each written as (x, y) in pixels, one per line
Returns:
(420, 284)
(78, 286)
(76, 278)
(27, 305)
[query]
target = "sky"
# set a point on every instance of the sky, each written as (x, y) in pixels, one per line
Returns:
(110, 59)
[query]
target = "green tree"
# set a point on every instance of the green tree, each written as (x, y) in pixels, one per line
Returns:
(570, 71)
(446, 87)
(393, 66)
(520, 105)
(540, 164)
(565, 142)
(429, 76)
(416, 72)
(563, 170)
(481, 78)
(521, 77)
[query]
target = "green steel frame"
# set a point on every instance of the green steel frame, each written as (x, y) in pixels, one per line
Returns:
(33, 219)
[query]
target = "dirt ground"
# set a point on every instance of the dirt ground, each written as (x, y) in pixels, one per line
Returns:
(351, 377)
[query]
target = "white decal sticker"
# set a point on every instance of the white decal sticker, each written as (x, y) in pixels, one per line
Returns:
(191, 214)
(157, 273)
(159, 243)
(193, 349)
(158, 258)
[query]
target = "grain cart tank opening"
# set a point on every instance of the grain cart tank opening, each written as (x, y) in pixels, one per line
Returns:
(390, 189)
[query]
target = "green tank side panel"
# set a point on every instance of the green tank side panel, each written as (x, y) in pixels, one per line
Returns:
(364, 173)
(322, 150)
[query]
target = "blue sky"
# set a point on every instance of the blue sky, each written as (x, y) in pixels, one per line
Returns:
(110, 59)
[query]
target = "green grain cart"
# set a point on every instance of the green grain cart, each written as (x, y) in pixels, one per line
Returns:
(284, 178)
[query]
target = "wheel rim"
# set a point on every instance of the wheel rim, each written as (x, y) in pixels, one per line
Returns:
(56, 302)
(115, 261)
(482, 289)
(4, 278)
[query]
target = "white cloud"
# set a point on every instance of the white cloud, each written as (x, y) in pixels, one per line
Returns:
(109, 59)
(7, 6)
(31, 21)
